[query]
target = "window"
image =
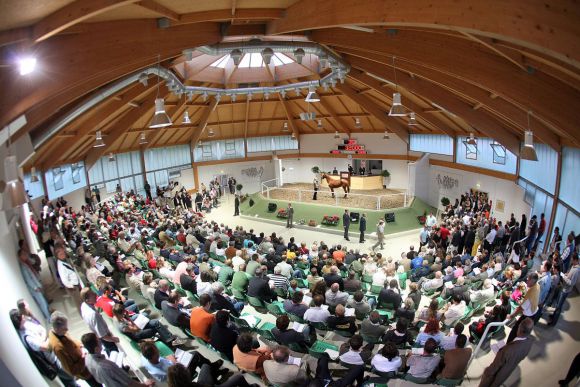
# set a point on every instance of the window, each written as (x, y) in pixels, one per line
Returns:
(272, 143)
(254, 60)
(76, 173)
(499, 154)
(57, 178)
(470, 151)
(219, 150)
(125, 170)
(60, 181)
(431, 143)
(542, 172)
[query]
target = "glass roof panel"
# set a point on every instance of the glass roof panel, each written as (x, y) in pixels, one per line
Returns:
(221, 62)
(253, 60)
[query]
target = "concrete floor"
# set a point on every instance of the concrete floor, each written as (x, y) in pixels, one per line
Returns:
(548, 361)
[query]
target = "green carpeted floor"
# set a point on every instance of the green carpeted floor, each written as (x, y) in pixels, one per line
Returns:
(405, 218)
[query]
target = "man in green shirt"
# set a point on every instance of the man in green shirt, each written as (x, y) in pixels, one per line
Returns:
(252, 265)
(240, 280)
(226, 273)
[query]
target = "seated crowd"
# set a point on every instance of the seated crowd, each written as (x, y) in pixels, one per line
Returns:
(200, 276)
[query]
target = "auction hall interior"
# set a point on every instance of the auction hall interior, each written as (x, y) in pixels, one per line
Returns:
(289, 193)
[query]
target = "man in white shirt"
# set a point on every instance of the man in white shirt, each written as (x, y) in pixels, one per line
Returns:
(285, 268)
(334, 296)
(431, 220)
(95, 321)
(455, 310)
(431, 284)
(68, 275)
(380, 276)
(317, 313)
(483, 296)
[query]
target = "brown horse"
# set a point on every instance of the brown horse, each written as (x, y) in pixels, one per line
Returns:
(334, 183)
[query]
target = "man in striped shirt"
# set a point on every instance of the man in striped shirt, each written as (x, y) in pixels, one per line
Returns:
(280, 281)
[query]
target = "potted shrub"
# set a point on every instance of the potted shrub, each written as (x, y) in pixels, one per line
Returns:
(386, 177)
(315, 170)
(282, 213)
(423, 218)
(239, 188)
(445, 201)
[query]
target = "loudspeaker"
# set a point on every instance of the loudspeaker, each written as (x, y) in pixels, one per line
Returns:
(390, 217)
(272, 207)
(354, 217)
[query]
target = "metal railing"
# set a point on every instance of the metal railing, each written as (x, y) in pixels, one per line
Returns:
(268, 186)
(484, 336)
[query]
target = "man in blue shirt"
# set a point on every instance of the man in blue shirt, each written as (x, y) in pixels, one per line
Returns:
(416, 262)
(545, 283)
(423, 237)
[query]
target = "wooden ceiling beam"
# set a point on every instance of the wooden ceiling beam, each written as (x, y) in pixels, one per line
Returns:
(342, 122)
(512, 116)
(290, 117)
(378, 86)
(71, 14)
(377, 111)
(483, 121)
(548, 98)
(119, 128)
(81, 63)
(554, 34)
(201, 125)
(154, 6)
(226, 14)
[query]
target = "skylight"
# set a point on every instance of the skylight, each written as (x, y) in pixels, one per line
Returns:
(253, 60)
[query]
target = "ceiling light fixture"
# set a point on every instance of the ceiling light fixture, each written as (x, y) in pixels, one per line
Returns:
(26, 65)
(210, 132)
(412, 119)
(397, 110)
(160, 118)
(234, 97)
(142, 139)
(299, 55)
(293, 136)
(312, 95)
(285, 127)
(236, 55)
(336, 134)
(528, 152)
(33, 175)
(267, 55)
(283, 93)
(186, 120)
(386, 135)
(99, 140)
(357, 123)
(319, 125)
(111, 157)
(471, 140)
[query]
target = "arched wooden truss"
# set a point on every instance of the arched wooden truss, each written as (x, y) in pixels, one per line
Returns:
(462, 67)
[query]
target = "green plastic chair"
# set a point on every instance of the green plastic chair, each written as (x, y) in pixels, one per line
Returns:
(258, 304)
(449, 382)
(367, 278)
(238, 294)
(275, 309)
(370, 339)
(318, 348)
(402, 280)
(295, 318)
(376, 289)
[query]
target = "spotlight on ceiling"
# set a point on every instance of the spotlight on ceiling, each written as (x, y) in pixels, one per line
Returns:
(99, 140)
(293, 136)
(298, 55)
(142, 139)
(26, 65)
(160, 119)
(267, 55)
(111, 157)
(319, 124)
(210, 132)
(143, 79)
(186, 120)
(336, 135)
(33, 175)
(412, 119)
(357, 123)
(285, 127)
(386, 135)
(234, 97)
(312, 95)
(472, 140)
(236, 55)
(528, 152)
(397, 110)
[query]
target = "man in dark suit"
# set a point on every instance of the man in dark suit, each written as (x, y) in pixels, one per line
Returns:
(334, 277)
(346, 224)
(508, 358)
(290, 219)
(237, 206)
(221, 302)
(223, 337)
(390, 295)
(161, 294)
(362, 226)
(258, 287)
(171, 312)
(187, 281)
(286, 336)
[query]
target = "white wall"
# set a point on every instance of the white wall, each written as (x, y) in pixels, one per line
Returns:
(76, 198)
(186, 179)
(265, 169)
(498, 189)
(419, 172)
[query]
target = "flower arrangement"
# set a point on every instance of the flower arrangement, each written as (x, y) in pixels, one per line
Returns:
(282, 213)
(330, 220)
